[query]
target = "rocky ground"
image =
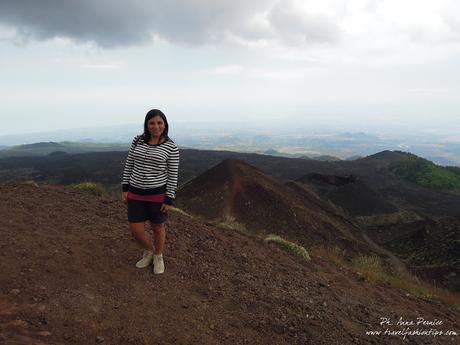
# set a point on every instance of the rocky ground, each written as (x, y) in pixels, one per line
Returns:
(67, 276)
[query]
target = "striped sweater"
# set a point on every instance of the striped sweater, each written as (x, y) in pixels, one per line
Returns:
(152, 169)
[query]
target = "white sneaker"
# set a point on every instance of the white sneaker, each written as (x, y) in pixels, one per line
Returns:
(146, 260)
(158, 264)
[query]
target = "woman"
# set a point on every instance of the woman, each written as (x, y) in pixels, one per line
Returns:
(149, 186)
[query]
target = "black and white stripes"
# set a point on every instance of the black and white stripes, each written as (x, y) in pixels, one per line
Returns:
(152, 169)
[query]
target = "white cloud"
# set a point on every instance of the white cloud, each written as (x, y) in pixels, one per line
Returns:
(116, 23)
(102, 66)
(296, 26)
(363, 25)
(226, 69)
(291, 74)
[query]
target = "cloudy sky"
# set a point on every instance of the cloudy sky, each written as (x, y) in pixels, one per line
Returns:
(356, 63)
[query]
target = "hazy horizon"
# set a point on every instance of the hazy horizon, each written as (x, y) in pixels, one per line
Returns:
(295, 139)
(284, 126)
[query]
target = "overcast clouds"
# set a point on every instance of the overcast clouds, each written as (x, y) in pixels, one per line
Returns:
(111, 23)
(331, 60)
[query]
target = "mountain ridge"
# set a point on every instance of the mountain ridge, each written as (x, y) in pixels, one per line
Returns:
(236, 191)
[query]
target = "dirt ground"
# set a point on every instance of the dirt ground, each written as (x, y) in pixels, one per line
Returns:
(67, 276)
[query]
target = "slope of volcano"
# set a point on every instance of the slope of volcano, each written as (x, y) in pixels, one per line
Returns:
(68, 277)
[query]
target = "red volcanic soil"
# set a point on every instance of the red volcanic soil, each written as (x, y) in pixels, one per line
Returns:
(67, 276)
(238, 191)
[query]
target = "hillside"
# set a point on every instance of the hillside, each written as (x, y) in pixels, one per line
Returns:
(45, 148)
(378, 200)
(68, 277)
(429, 247)
(234, 191)
(106, 168)
(349, 193)
(425, 173)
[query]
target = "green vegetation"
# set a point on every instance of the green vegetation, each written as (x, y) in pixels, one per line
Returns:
(31, 183)
(334, 254)
(425, 173)
(179, 210)
(370, 266)
(91, 187)
(230, 223)
(372, 270)
(455, 170)
(291, 247)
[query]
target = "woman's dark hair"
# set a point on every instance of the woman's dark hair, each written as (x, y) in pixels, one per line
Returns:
(152, 113)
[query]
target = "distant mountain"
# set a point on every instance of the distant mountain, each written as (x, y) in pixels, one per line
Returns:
(292, 138)
(45, 148)
(37, 146)
(384, 158)
(61, 168)
(441, 160)
(326, 158)
(273, 152)
(352, 158)
(106, 134)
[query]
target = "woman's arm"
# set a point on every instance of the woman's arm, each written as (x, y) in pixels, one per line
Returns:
(172, 164)
(129, 163)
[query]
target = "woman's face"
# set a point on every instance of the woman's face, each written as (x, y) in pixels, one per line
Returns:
(156, 126)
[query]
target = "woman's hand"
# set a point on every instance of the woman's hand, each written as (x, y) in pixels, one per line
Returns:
(124, 197)
(165, 208)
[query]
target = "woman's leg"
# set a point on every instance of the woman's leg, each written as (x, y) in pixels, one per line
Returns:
(141, 236)
(159, 235)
